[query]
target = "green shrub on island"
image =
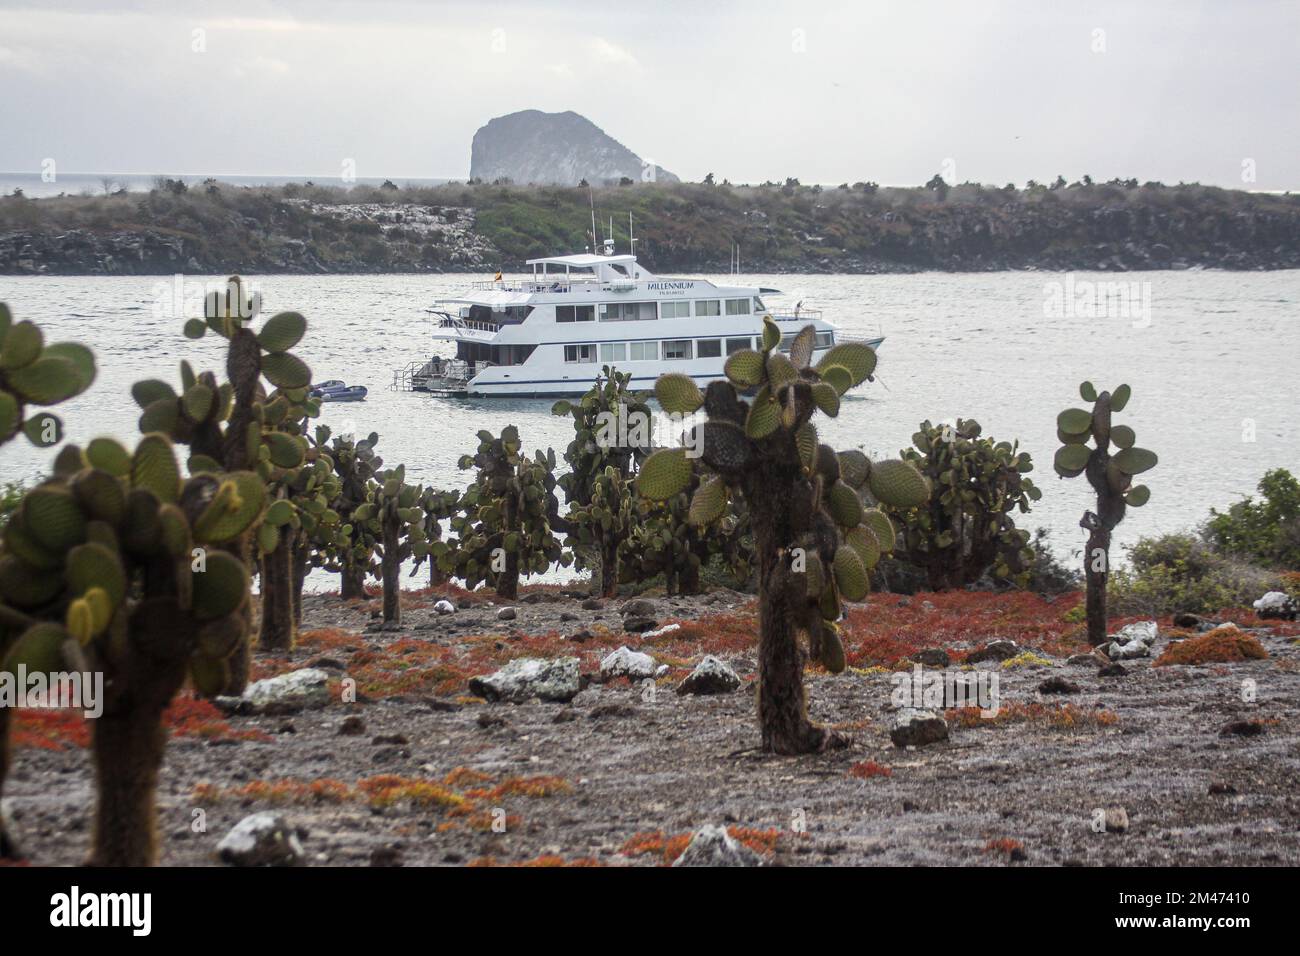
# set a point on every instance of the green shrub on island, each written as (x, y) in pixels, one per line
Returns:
(1176, 573)
(1265, 532)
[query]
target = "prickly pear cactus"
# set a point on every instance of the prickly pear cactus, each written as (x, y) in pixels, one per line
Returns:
(301, 484)
(611, 429)
(239, 425)
(115, 565)
(396, 506)
(816, 537)
(604, 526)
(438, 506)
(33, 373)
(966, 529)
(1111, 476)
(351, 552)
(505, 530)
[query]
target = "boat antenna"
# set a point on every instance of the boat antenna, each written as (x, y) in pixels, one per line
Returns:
(592, 199)
(631, 240)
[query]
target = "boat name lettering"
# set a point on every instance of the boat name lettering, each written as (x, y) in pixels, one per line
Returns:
(670, 286)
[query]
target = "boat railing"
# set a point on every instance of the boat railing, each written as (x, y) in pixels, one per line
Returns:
(798, 315)
(549, 284)
(471, 325)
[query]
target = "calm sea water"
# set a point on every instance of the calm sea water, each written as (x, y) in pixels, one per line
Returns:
(1212, 362)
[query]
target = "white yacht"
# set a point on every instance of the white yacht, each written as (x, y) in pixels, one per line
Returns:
(549, 333)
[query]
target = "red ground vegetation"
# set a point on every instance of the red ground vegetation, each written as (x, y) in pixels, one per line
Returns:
(1223, 645)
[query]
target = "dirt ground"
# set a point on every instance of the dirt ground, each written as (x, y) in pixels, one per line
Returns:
(622, 774)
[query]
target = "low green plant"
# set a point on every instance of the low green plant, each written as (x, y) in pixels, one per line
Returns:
(1175, 573)
(1264, 531)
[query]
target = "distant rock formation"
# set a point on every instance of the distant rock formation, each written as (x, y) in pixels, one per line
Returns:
(554, 148)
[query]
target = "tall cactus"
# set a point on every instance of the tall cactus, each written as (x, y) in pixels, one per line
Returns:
(510, 512)
(611, 429)
(604, 526)
(237, 426)
(32, 373)
(1111, 477)
(437, 507)
(353, 555)
(394, 506)
(107, 568)
(814, 531)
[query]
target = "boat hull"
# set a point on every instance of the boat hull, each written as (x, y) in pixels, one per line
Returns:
(525, 381)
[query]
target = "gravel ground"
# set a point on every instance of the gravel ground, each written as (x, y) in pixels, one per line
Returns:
(578, 781)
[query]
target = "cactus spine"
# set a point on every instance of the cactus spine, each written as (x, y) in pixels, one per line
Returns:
(1111, 477)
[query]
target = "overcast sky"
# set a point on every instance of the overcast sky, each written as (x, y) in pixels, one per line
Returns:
(827, 92)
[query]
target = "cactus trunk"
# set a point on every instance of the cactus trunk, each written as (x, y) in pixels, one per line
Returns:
(278, 631)
(609, 566)
(782, 706)
(128, 745)
(392, 570)
(299, 579)
(353, 583)
(8, 848)
(1095, 601)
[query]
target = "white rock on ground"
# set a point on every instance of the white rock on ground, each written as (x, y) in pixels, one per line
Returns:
(714, 846)
(711, 676)
(660, 631)
(507, 614)
(527, 677)
(1277, 604)
(1133, 640)
(626, 662)
(445, 607)
(306, 687)
(913, 727)
(262, 839)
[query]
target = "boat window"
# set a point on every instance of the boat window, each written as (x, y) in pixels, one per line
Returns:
(575, 313)
(644, 351)
(824, 340)
(709, 348)
(737, 307)
(737, 345)
(618, 268)
(674, 310)
(758, 305)
(677, 350)
(580, 353)
(515, 314)
(708, 307)
(613, 351)
(626, 311)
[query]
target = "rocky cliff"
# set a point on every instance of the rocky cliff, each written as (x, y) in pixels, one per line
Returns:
(555, 148)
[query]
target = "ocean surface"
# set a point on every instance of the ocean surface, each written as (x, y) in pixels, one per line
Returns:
(1211, 357)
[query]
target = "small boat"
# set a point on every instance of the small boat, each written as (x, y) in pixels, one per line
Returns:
(329, 392)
